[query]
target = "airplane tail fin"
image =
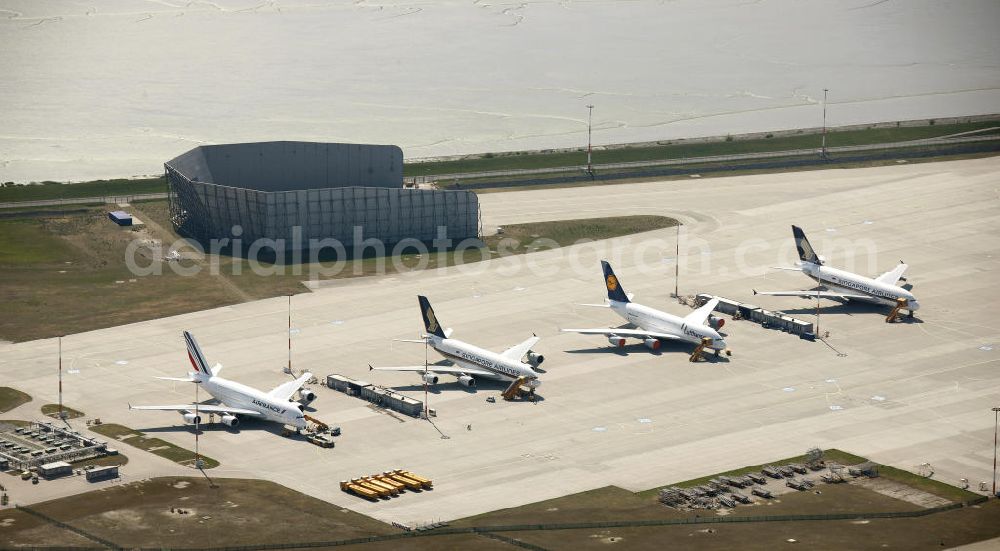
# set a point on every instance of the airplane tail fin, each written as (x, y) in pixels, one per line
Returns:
(615, 291)
(806, 252)
(431, 324)
(196, 356)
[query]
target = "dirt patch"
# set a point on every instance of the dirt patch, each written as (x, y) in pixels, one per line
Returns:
(901, 492)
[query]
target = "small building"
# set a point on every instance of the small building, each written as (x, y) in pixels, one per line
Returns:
(120, 217)
(337, 382)
(54, 470)
(102, 473)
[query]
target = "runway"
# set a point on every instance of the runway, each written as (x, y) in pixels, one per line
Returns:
(904, 394)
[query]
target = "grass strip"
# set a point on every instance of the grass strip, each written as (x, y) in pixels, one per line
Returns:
(156, 446)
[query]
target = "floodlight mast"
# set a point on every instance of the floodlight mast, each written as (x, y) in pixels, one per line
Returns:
(996, 421)
(823, 151)
(590, 124)
(62, 414)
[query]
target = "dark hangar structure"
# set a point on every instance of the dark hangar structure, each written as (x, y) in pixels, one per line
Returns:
(326, 189)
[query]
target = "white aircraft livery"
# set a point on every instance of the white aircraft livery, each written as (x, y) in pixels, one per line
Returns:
(842, 285)
(471, 361)
(236, 399)
(654, 326)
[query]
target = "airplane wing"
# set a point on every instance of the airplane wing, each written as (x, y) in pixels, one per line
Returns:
(810, 294)
(284, 391)
(893, 276)
(440, 369)
(699, 316)
(200, 407)
(517, 352)
(637, 333)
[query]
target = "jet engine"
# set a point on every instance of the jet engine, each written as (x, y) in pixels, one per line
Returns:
(466, 380)
(306, 396)
(616, 341)
(192, 419)
(429, 378)
(716, 323)
(535, 359)
(652, 344)
(230, 420)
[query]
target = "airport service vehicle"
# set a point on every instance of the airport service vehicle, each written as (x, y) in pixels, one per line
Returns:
(846, 286)
(235, 399)
(653, 326)
(470, 362)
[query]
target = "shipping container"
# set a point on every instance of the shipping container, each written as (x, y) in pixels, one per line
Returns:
(102, 473)
(53, 470)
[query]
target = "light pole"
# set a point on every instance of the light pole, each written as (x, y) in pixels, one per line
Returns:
(590, 123)
(996, 417)
(824, 123)
(290, 335)
(62, 413)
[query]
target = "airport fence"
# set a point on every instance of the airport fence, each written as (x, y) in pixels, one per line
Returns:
(492, 531)
(68, 527)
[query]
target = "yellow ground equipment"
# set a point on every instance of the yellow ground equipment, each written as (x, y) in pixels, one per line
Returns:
(901, 303)
(393, 491)
(516, 389)
(425, 482)
(379, 490)
(399, 486)
(319, 424)
(358, 490)
(404, 480)
(700, 349)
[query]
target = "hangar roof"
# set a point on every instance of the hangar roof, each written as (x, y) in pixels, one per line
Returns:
(289, 166)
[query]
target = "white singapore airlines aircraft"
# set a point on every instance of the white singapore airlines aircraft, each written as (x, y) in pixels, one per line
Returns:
(653, 325)
(842, 285)
(236, 399)
(471, 361)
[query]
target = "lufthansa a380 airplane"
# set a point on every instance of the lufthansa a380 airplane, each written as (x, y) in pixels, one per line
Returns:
(841, 285)
(471, 361)
(654, 326)
(236, 399)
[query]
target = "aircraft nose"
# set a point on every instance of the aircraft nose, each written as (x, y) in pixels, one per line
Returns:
(534, 383)
(718, 344)
(912, 304)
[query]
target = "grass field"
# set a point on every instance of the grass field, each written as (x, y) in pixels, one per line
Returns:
(187, 512)
(237, 512)
(157, 446)
(52, 410)
(939, 531)
(103, 461)
(97, 188)
(10, 398)
(680, 149)
(53, 266)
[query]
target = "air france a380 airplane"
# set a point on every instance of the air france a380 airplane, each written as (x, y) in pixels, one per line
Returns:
(471, 361)
(236, 399)
(841, 285)
(654, 326)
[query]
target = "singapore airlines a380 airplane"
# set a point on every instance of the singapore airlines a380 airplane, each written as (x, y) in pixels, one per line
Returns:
(471, 361)
(236, 399)
(654, 326)
(842, 285)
